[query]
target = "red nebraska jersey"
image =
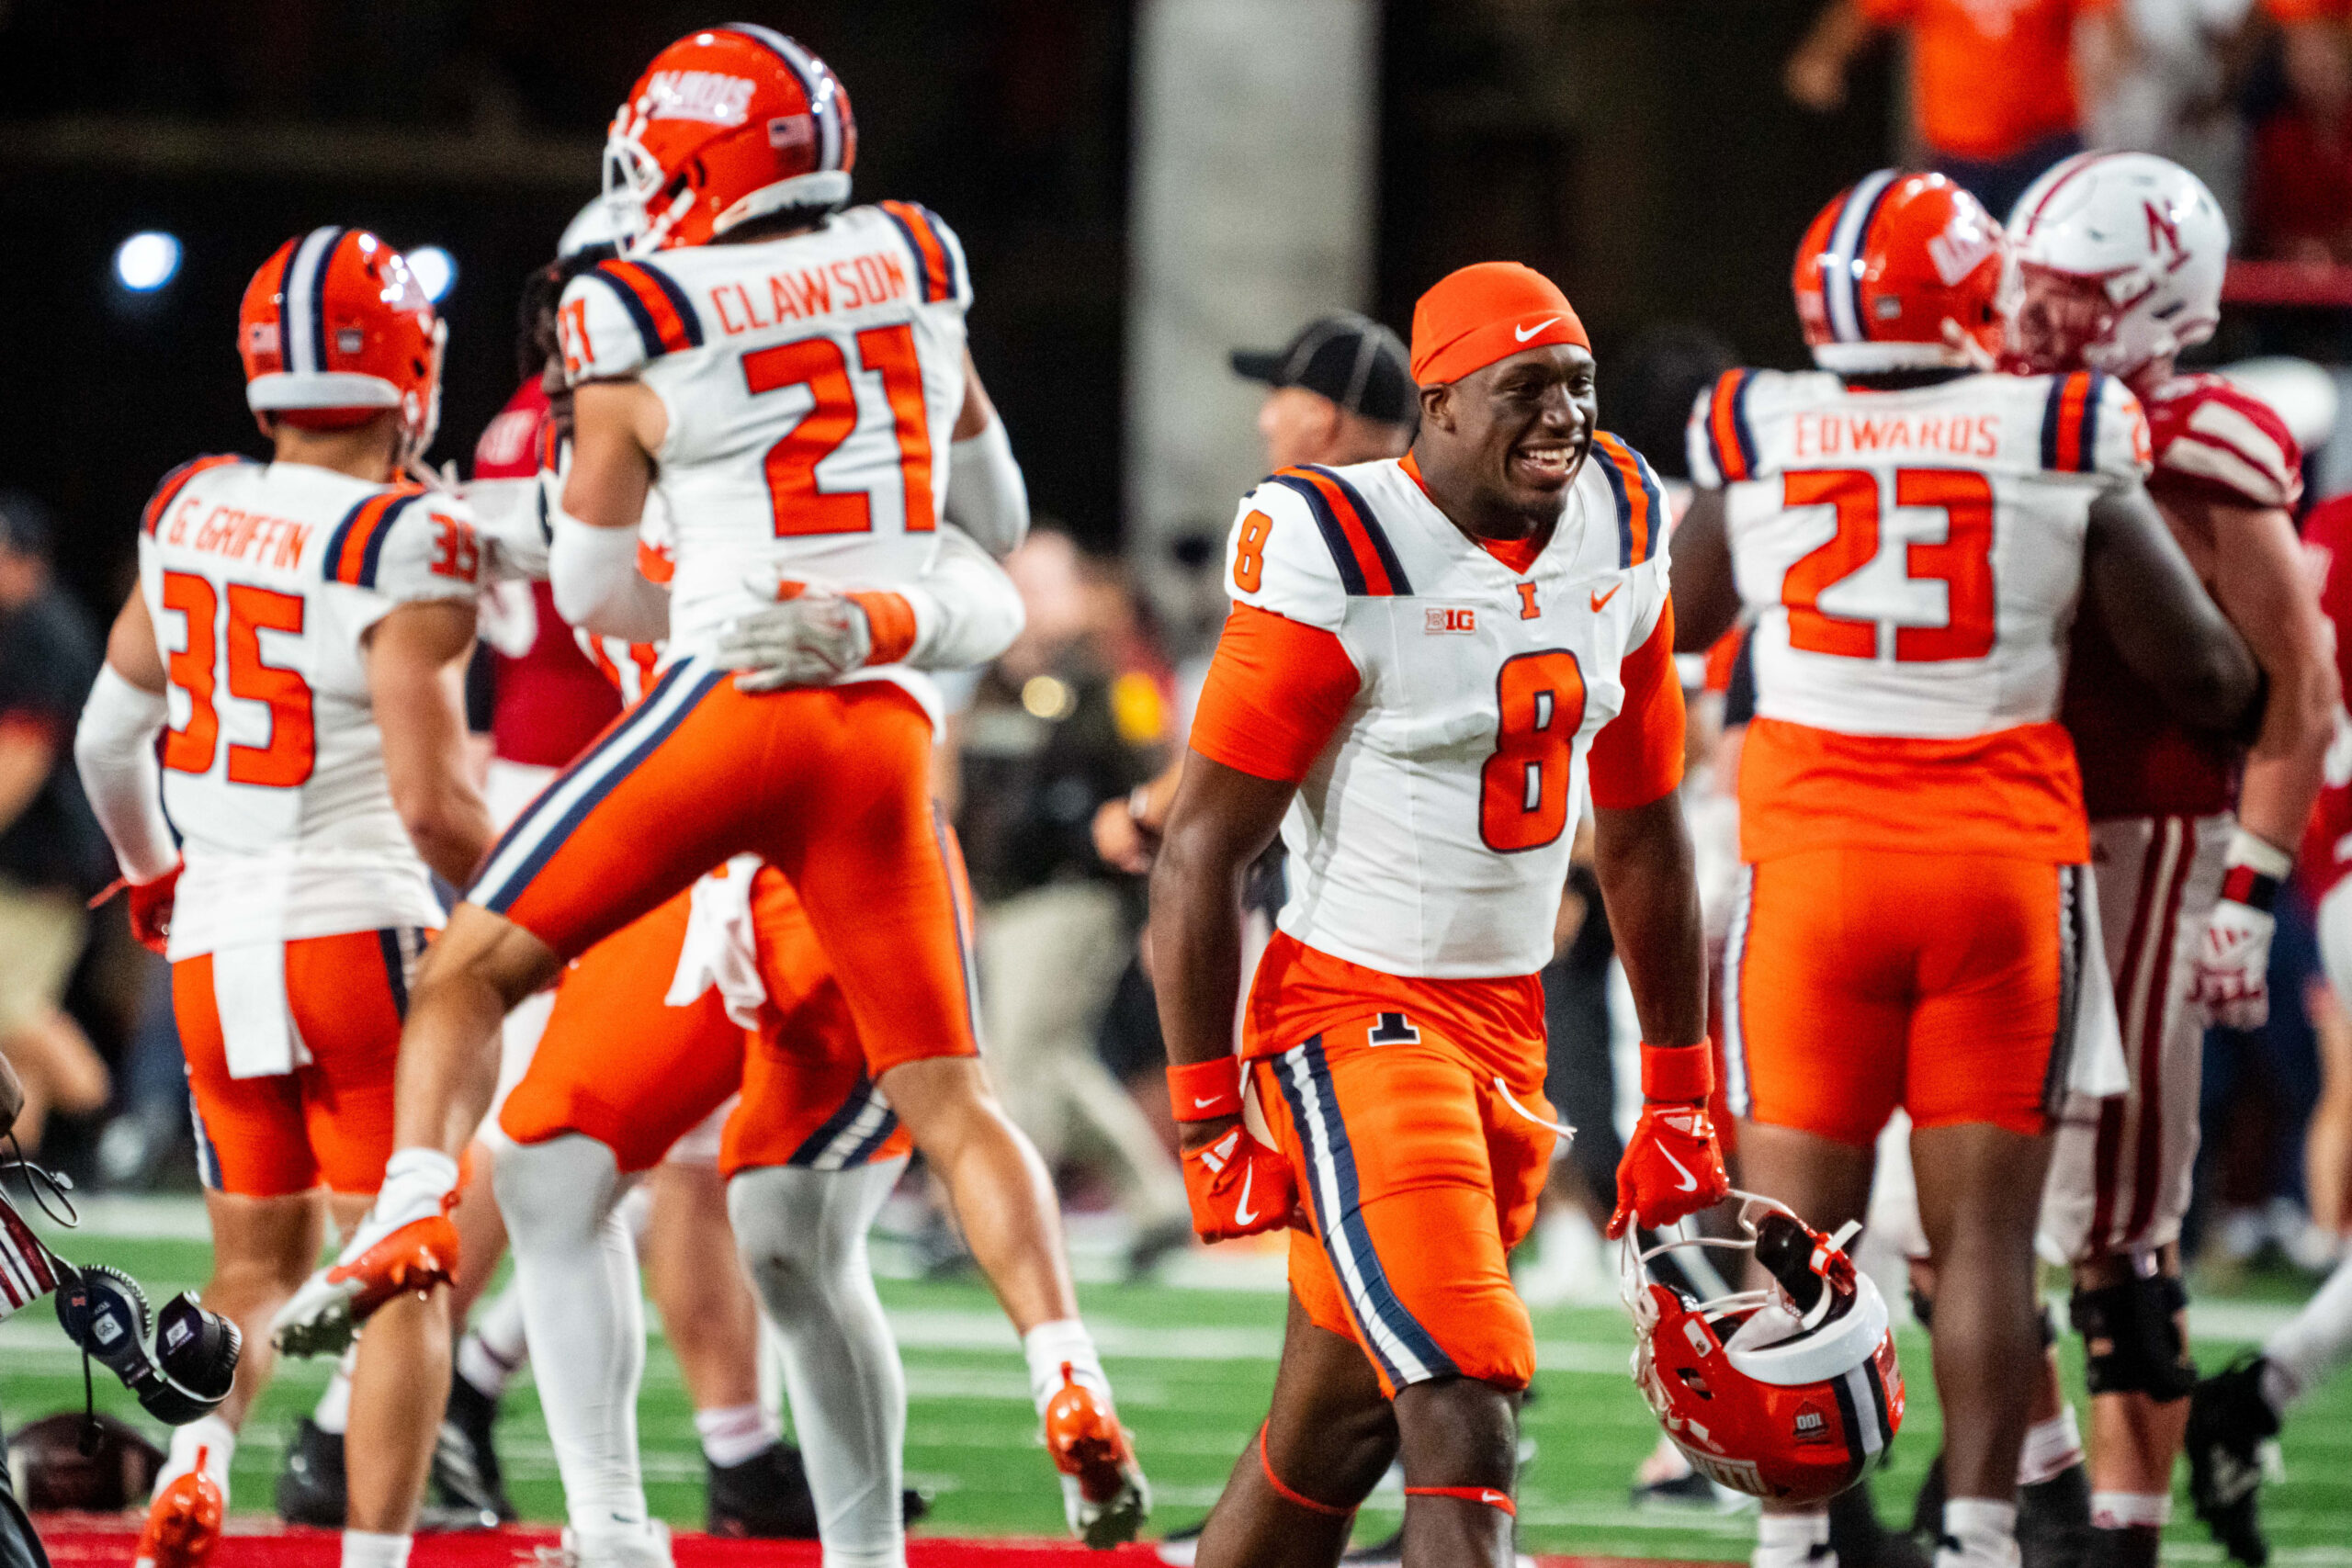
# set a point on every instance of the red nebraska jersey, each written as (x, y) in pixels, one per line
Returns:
(2327, 843)
(2213, 443)
(550, 702)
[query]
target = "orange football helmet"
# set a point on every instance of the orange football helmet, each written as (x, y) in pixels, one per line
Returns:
(1903, 272)
(334, 330)
(1789, 1392)
(727, 125)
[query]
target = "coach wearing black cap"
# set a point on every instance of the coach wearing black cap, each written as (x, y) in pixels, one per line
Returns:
(1341, 392)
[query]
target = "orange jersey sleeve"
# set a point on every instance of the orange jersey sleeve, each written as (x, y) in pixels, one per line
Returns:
(1275, 691)
(1637, 756)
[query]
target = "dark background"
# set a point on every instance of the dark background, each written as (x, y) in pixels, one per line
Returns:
(1639, 151)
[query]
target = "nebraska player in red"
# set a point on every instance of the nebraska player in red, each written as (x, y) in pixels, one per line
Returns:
(291, 657)
(798, 367)
(1426, 660)
(2123, 255)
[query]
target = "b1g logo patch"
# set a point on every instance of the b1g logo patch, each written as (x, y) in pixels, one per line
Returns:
(1812, 1424)
(1437, 620)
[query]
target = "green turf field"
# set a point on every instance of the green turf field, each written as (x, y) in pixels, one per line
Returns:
(1193, 1367)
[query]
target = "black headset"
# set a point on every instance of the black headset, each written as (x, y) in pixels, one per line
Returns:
(188, 1372)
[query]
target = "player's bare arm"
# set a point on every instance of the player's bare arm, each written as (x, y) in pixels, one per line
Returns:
(1644, 859)
(2167, 629)
(2262, 586)
(1706, 600)
(617, 425)
(416, 671)
(1222, 820)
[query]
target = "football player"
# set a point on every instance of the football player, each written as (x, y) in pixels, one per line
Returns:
(2123, 255)
(298, 640)
(1428, 660)
(799, 367)
(2233, 1413)
(1915, 927)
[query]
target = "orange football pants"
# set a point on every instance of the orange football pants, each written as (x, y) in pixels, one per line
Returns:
(831, 786)
(1858, 980)
(331, 1121)
(1416, 1177)
(618, 1065)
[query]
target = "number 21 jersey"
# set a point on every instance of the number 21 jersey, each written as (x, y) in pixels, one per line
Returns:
(812, 384)
(1914, 559)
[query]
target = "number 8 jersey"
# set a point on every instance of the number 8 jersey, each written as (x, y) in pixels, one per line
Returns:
(1913, 559)
(812, 384)
(1441, 704)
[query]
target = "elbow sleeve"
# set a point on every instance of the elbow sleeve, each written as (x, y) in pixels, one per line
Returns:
(966, 610)
(985, 494)
(114, 749)
(593, 574)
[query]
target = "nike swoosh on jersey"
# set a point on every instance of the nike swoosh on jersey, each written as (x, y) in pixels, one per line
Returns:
(1524, 333)
(1243, 1214)
(1601, 599)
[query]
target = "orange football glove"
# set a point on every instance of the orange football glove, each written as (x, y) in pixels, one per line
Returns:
(151, 909)
(1672, 1168)
(1238, 1186)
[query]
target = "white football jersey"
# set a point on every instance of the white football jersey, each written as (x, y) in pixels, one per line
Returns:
(1912, 558)
(812, 385)
(1430, 838)
(263, 580)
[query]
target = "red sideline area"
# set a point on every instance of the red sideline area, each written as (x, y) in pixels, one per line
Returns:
(2288, 283)
(105, 1541)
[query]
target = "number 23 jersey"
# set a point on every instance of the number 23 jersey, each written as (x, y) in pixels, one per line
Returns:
(812, 384)
(1914, 559)
(1439, 704)
(263, 582)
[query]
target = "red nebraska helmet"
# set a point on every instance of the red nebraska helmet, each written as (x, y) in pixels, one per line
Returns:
(1903, 272)
(1789, 1392)
(727, 125)
(334, 329)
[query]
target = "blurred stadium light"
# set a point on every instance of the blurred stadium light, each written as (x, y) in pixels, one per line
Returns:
(147, 261)
(436, 269)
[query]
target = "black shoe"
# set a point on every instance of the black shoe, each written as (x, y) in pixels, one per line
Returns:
(2228, 1423)
(1181, 1549)
(1689, 1489)
(1156, 1242)
(1387, 1553)
(2055, 1520)
(766, 1497)
(310, 1484)
(1861, 1541)
(465, 1458)
(1928, 1508)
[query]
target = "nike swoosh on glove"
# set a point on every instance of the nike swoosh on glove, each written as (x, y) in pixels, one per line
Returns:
(1672, 1168)
(2230, 976)
(1238, 1186)
(808, 639)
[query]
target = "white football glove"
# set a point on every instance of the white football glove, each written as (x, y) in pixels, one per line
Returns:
(2230, 973)
(2230, 977)
(810, 640)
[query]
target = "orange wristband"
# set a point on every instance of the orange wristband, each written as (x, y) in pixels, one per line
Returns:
(891, 620)
(1677, 1073)
(1202, 1091)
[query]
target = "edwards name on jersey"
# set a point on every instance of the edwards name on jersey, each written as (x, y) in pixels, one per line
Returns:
(1431, 836)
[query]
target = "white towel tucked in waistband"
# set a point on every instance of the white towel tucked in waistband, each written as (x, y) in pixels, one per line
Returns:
(257, 1023)
(721, 948)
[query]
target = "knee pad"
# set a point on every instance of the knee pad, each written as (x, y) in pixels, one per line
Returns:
(558, 1192)
(2131, 1338)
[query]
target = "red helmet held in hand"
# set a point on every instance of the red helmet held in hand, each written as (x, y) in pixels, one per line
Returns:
(727, 125)
(1789, 1392)
(1903, 272)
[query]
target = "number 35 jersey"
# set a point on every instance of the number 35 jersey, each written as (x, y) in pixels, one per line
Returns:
(1913, 559)
(812, 385)
(264, 581)
(1440, 703)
